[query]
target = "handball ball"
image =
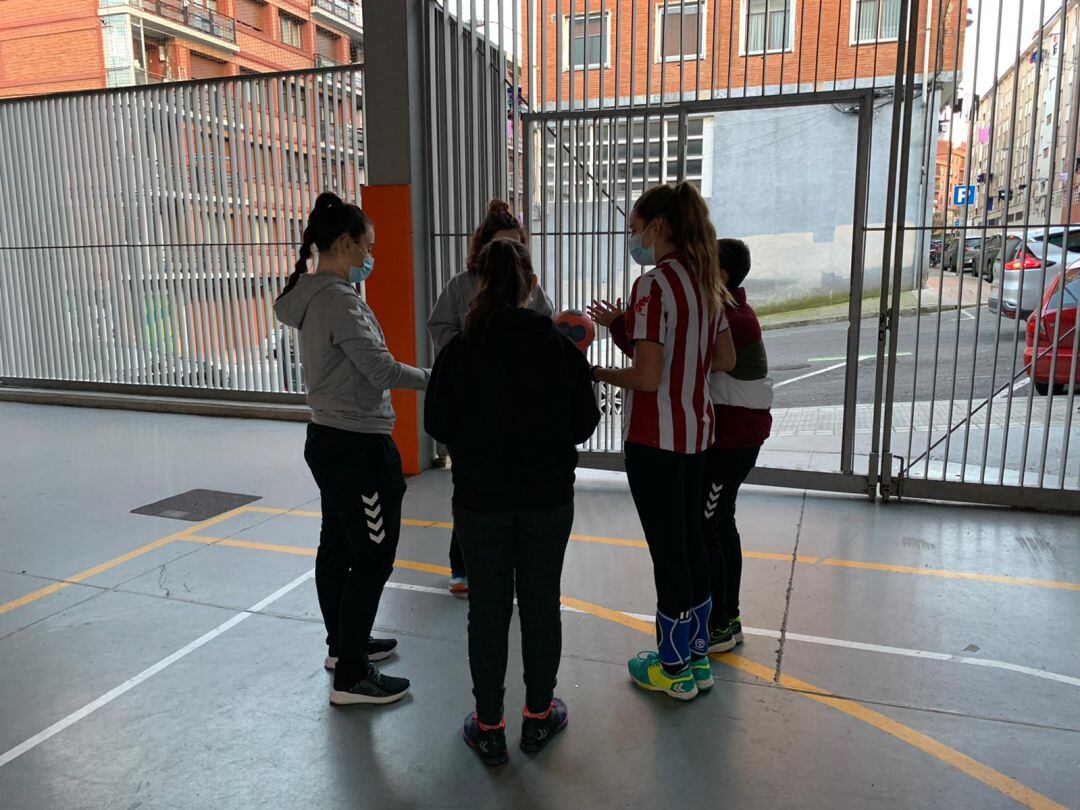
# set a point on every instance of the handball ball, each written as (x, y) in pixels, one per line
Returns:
(577, 326)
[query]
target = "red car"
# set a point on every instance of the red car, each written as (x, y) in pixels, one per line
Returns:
(1058, 306)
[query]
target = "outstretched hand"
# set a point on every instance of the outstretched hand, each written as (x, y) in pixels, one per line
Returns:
(604, 312)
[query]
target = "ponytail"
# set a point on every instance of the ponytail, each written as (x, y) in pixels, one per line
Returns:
(328, 220)
(506, 274)
(499, 218)
(687, 216)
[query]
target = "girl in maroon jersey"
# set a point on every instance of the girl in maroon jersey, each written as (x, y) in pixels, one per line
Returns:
(679, 335)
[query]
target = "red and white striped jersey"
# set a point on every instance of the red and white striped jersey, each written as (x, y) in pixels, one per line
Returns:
(667, 307)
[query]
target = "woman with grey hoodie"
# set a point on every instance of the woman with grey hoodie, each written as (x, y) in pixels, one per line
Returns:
(349, 374)
(447, 320)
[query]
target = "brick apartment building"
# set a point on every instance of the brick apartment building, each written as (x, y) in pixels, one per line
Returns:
(780, 178)
(1018, 124)
(722, 46)
(950, 171)
(91, 44)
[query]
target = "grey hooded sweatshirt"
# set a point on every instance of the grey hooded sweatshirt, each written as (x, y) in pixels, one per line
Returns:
(447, 319)
(348, 369)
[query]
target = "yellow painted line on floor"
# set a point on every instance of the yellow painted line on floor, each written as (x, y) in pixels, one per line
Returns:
(300, 551)
(268, 510)
(229, 542)
(929, 746)
(803, 559)
(937, 572)
(82, 576)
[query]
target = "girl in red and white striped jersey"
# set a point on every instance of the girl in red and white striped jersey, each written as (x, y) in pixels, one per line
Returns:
(676, 323)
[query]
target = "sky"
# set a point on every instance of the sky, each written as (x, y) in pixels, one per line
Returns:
(1010, 16)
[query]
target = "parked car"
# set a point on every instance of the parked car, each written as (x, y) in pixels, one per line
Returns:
(951, 258)
(1022, 262)
(935, 252)
(1058, 315)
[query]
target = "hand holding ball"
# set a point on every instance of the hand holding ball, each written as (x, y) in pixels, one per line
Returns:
(577, 326)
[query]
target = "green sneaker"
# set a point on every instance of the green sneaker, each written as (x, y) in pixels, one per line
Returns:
(648, 673)
(736, 629)
(702, 670)
(721, 640)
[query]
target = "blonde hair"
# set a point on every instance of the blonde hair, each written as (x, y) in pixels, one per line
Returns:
(687, 216)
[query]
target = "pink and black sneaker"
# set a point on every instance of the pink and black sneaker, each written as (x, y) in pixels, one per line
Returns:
(487, 741)
(538, 729)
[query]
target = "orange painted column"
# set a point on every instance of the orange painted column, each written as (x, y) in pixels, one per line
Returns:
(390, 293)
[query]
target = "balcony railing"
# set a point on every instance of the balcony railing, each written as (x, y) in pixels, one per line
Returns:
(325, 61)
(350, 12)
(192, 15)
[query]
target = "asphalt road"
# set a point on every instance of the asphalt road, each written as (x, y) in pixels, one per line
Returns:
(938, 356)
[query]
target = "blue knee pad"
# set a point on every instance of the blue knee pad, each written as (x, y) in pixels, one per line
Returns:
(673, 639)
(699, 629)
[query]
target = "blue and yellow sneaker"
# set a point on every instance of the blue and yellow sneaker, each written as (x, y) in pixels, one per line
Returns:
(648, 673)
(702, 671)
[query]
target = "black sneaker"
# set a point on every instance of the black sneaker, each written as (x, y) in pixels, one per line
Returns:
(736, 629)
(490, 744)
(373, 687)
(378, 649)
(721, 639)
(536, 732)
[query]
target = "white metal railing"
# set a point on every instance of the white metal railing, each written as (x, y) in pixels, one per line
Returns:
(145, 232)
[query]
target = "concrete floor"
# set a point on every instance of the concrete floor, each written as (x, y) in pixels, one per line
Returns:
(946, 638)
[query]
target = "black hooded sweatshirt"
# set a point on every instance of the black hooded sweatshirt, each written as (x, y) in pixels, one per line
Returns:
(511, 403)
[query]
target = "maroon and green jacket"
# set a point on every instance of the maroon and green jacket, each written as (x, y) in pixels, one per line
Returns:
(742, 397)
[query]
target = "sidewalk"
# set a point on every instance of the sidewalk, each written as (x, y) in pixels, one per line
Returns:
(909, 304)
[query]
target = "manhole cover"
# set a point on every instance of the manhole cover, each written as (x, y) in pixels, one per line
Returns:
(196, 505)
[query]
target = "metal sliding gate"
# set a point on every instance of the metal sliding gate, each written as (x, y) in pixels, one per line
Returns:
(815, 132)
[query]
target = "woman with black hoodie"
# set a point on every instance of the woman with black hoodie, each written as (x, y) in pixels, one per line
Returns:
(511, 398)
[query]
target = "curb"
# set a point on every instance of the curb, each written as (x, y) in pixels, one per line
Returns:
(911, 309)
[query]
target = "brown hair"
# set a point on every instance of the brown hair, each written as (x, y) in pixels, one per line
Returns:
(687, 216)
(506, 276)
(499, 218)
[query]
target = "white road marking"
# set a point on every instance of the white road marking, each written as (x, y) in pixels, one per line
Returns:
(844, 357)
(148, 673)
(806, 376)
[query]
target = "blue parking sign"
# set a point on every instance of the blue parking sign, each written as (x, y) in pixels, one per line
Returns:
(963, 195)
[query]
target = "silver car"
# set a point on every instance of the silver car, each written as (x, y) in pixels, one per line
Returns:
(1020, 263)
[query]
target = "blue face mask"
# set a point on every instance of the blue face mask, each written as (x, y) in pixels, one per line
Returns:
(641, 254)
(361, 274)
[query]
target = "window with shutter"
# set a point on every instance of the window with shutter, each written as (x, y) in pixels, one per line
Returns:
(251, 14)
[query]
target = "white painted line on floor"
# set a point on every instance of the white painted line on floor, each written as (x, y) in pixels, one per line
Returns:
(830, 642)
(149, 672)
(880, 648)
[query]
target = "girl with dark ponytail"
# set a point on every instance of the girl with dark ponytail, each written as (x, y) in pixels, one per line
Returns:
(511, 397)
(349, 374)
(677, 334)
(448, 319)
